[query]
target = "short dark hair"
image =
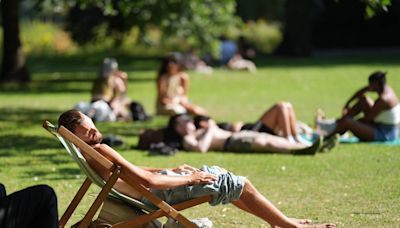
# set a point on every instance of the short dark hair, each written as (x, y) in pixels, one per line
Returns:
(70, 119)
(171, 136)
(378, 76)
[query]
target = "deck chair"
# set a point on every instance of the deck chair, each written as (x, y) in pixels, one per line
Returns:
(74, 146)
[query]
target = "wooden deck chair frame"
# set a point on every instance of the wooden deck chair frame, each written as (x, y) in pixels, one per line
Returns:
(106, 188)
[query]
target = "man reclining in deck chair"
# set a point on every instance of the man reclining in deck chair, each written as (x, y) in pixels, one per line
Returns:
(182, 183)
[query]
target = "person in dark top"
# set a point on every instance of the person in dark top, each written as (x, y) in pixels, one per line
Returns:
(34, 206)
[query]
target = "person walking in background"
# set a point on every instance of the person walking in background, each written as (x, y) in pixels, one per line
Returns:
(172, 89)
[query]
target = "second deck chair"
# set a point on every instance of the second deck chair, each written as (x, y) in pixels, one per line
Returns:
(74, 146)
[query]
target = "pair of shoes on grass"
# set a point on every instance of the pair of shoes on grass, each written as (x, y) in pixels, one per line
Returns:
(319, 145)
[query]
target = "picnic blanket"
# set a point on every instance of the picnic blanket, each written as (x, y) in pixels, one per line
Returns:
(357, 140)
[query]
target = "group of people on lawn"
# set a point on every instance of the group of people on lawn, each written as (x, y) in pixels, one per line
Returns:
(276, 131)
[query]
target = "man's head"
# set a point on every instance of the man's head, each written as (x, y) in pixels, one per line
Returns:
(377, 81)
(182, 124)
(81, 125)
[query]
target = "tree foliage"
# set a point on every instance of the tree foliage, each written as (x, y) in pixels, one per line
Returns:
(201, 20)
(376, 6)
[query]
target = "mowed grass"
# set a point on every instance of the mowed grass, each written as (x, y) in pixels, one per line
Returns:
(354, 185)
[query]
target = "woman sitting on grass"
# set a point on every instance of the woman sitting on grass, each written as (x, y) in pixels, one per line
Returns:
(381, 118)
(172, 89)
(111, 87)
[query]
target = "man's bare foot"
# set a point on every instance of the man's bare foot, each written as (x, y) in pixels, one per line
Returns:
(301, 221)
(325, 225)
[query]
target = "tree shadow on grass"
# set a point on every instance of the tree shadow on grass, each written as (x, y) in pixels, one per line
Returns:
(23, 143)
(89, 62)
(55, 158)
(58, 174)
(23, 117)
(49, 86)
(377, 60)
(70, 82)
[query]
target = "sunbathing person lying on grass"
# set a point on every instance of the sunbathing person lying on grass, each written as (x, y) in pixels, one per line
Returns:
(168, 184)
(279, 119)
(182, 133)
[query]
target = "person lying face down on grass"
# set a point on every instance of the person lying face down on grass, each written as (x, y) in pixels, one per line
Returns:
(176, 184)
(182, 132)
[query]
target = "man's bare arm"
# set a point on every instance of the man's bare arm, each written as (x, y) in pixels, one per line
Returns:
(357, 94)
(200, 143)
(182, 168)
(149, 179)
(379, 106)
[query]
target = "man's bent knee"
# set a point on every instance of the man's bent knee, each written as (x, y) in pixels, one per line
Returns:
(248, 187)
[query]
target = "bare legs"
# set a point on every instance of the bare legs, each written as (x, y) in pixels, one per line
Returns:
(362, 130)
(255, 203)
(363, 105)
(266, 143)
(281, 119)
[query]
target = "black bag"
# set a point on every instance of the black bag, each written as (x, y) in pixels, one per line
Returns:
(112, 140)
(138, 112)
(162, 149)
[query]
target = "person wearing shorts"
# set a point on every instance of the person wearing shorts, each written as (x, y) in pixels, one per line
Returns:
(213, 138)
(180, 183)
(381, 118)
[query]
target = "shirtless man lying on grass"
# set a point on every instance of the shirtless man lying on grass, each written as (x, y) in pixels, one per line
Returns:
(182, 134)
(177, 184)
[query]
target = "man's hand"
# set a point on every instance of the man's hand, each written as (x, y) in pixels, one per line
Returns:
(200, 177)
(185, 169)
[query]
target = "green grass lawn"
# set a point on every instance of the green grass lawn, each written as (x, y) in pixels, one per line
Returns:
(354, 185)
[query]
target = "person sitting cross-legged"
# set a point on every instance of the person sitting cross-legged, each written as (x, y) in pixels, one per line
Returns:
(178, 184)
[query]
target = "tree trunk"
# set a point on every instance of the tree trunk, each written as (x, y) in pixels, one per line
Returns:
(13, 66)
(300, 16)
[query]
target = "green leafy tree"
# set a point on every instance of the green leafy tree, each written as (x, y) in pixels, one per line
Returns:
(200, 20)
(376, 6)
